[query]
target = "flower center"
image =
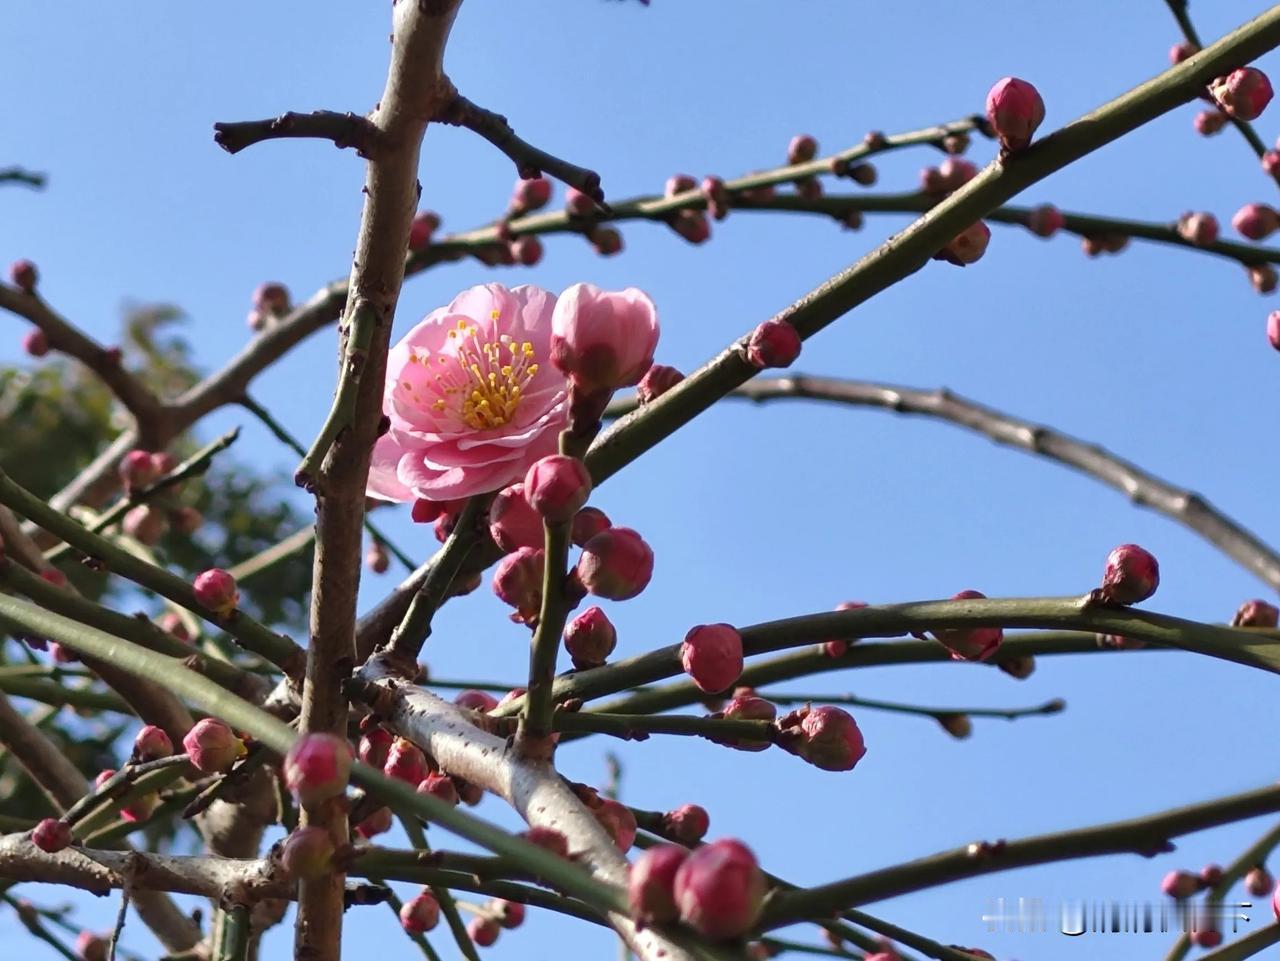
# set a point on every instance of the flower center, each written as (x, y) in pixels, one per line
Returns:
(484, 379)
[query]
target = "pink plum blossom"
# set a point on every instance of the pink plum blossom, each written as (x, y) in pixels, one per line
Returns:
(472, 397)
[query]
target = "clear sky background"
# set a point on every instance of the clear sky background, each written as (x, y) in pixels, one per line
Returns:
(754, 513)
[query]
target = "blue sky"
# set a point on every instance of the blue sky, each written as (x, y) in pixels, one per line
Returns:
(753, 512)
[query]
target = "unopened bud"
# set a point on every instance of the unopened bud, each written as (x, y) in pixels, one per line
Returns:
(1131, 575)
(711, 655)
(774, 343)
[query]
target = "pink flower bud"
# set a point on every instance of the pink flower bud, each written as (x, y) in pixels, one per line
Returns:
(774, 343)
(719, 889)
(518, 582)
(379, 822)
(615, 564)
(590, 638)
(1243, 93)
(1206, 937)
(657, 381)
(678, 184)
(840, 647)
(1275, 902)
(137, 470)
(1259, 882)
(1180, 884)
(376, 559)
(606, 241)
(307, 853)
(952, 174)
(1119, 643)
(51, 575)
(863, 174)
(532, 194)
(619, 821)
(556, 487)
(1256, 221)
(1273, 329)
(651, 883)
(420, 913)
(1200, 229)
(578, 204)
(23, 275)
(440, 787)
(1262, 278)
(151, 744)
(692, 225)
(1015, 110)
(957, 725)
(510, 914)
(36, 342)
(712, 656)
(587, 523)
(1270, 162)
(1256, 614)
(826, 737)
(216, 590)
(603, 339)
(317, 767)
(271, 299)
(483, 931)
(748, 707)
(145, 524)
(1045, 220)
(1020, 666)
(1181, 51)
(717, 195)
(968, 246)
(1209, 122)
(212, 747)
(687, 824)
(476, 700)
(526, 250)
(186, 520)
(374, 746)
(513, 523)
(802, 149)
(1132, 575)
(405, 762)
(92, 947)
(51, 835)
(171, 623)
(970, 644)
(548, 839)
(424, 225)
(1210, 875)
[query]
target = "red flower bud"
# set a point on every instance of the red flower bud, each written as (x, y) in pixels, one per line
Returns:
(606, 241)
(375, 745)
(587, 523)
(657, 382)
(531, 194)
(719, 889)
(1132, 575)
(748, 707)
(557, 486)
(216, 590)
(1015, 110)
(307, 853)
(615, 564)
(578, 204)
(1273, 329)
(802, 149)
(145, 524)
(1209, 122)
(1256, 221)
(510, 913)
(651, 883)
(1210, 875)
(968, 246)
(441, 787)
(590, 638)
(151, 744)
(1243, 93)
(1200, 229)
(618, 820)
(186, 520)
(1256, 614)
(687, 824)
(424, 225)
(271, 299)
(51, 835)
(513, 523)
(36, 342)
(92, 947)
(476, 700)
(379, 822)
(692, 225)
(970, 644)
(137, 469)
(1262, 278)
(1020, 666)
(826, 737)
(405, 762)
(678, 184)
(483, 931)
(1259, 882)
(957, 725)
(212, 747)
(518, 582)
(172, 623)
(317, 767)
(713, 189)
(774, 343)
(1045, 220)
(1180, 884)
(712, 656)
(23, 275)
(420, 913)
(1181, 51)
(526, 250)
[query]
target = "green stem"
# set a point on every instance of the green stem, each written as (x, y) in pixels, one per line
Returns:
(448, 907)
(276, 648)
(1054, 706)
(634, 727)
(32, 923)
(55, 695)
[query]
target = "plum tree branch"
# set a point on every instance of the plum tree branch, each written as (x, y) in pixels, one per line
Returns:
(344, 129)
(20, 175)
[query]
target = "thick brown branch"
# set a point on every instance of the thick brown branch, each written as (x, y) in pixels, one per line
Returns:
(344, 129)
(530, 161)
